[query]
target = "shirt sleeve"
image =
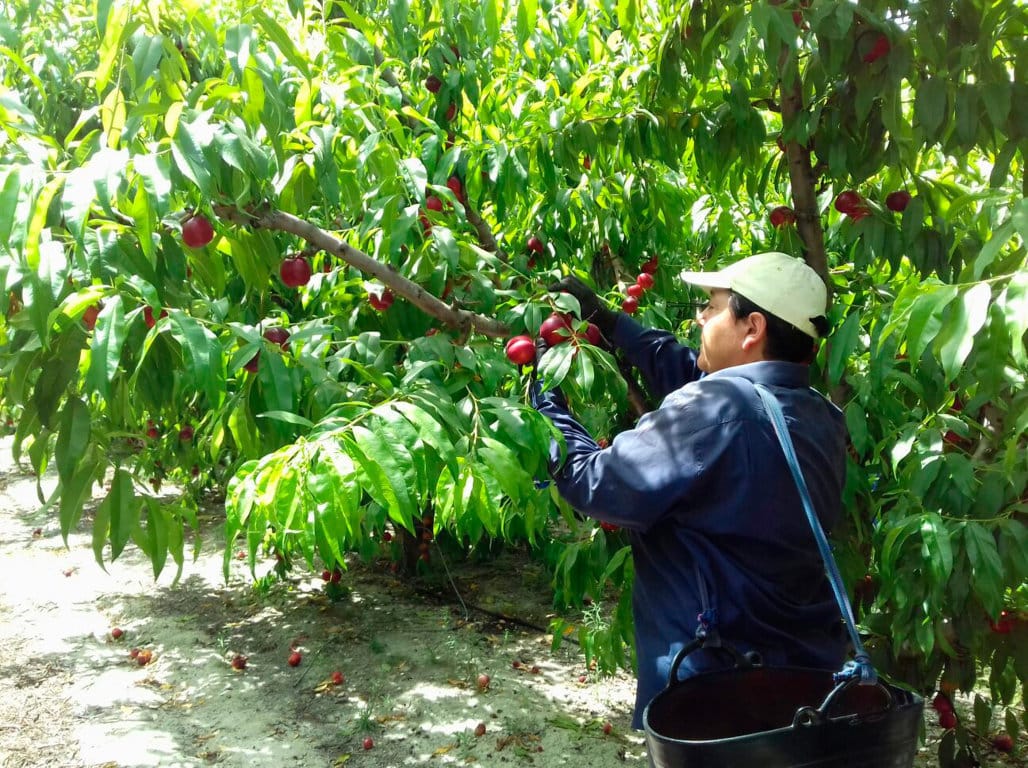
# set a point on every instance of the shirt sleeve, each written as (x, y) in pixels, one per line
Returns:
(664, 363)
(644, 472)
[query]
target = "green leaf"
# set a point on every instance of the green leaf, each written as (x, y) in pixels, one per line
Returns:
(38, 220)
(986, 566)
(188, 147)
(75, 492)
(936, 550)
(991, 249)
(204, 364)
(841, 346)
(72, 438)
(555, 364)
(957, 336)
(926, 318)
(390, 471)
(287, 416)
(157, 524)
(930, 105)
(108, 338)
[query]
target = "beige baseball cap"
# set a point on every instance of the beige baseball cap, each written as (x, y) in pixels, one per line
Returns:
(781, 284)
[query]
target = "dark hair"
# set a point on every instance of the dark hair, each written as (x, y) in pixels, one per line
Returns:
(784, 340)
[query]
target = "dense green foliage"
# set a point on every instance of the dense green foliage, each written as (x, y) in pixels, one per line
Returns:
(612, 131)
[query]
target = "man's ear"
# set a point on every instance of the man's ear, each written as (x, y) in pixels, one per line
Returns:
(756, 332)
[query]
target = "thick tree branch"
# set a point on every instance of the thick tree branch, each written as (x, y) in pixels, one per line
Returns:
(801, 175)
(400, 285)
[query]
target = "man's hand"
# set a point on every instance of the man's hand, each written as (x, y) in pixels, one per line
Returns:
(592, 308)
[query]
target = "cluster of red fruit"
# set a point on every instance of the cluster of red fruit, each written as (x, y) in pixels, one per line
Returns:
(556, 329)
(850, 203)
(642, 284)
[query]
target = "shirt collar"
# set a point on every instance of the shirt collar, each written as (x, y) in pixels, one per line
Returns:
(770, 372)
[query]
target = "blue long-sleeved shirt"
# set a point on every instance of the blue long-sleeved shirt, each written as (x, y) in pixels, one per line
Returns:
(703, 489)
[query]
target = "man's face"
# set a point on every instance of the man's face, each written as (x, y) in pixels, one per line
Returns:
(723, 338)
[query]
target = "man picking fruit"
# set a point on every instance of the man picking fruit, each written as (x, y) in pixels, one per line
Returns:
(701, 485)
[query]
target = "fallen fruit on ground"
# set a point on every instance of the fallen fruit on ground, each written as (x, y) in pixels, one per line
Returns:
(483, 682)
(368, 742)
(294, 659)
(338, 678)
(1003, 743)
(239, 662)
(117, 633)
(197, 232)
(480, 729)
(607, 728)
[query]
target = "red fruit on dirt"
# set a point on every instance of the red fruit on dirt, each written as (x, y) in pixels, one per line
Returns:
(593, 335)
(848, 202)
(630, 305)
(483, 682)
(197, 232)
(535, 244)
(451, 113)
(278, 336)
(897, 201)
(185, 434)
(383, 302)
(144, 658)
(635, 290)
(295, 271)
(880, 48)
(338, 678)
(90, 315)
(942, 703)
(368, 742)
(535, 670)
(456, 187)
(607, 729)
(582, 678)
(433, 203)
(515, 664)
(294, 659)
(433, 84)
(948, 719)
(650, 267)
(556, 329)
(251, 365)
(645, 281)
(480, 730)
(782, 216)
(1003, 743)
(117, 633)
(239, 662)
(134, 653)
(337, 576)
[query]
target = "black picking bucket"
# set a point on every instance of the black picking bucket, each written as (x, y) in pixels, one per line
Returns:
(780, 717)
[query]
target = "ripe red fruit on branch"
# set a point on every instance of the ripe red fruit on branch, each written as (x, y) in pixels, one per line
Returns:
(535, 244)
(251, 365)
(295, 271)
(782, 216)
(1003, 743)
(148, 317)
(635, 290)
(897, 201)
(593, 335)
(185, 434)
(90, 315)
(433, 84)
(520, 350)
(556, 329)
(433, 203)
(948, 719)
(278, 336)
(630, 305)
(197, 232)
(645, 281)
(650, 266)
(848, 202)
(294, 659)
(451, 113)
(456, 187)
(383, 302)
(609, 527)
(587, 162)
(1003, 625)
(941, 703)
(880, 48)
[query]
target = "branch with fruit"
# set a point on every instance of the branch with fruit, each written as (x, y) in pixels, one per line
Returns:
(318, 238)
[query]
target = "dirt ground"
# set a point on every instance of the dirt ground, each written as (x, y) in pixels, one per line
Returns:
(72, 696)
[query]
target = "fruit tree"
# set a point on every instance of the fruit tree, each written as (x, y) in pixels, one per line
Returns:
(280, 251)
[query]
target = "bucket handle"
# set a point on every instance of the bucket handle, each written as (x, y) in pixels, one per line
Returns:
(809, 716)
(742, 660)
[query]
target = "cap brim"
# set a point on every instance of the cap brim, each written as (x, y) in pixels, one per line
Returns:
(707, 280)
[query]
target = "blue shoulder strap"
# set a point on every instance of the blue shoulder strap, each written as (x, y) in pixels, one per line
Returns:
(861, 665)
